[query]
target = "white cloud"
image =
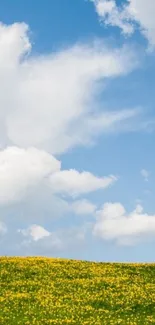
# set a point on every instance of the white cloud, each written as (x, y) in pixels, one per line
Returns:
(83, 207)
(113, 15)
(50, 101)
(38, 239)
(110, 122)
(14, 44)
(73, 183)
(129, 16)
(22, 169)
(113, 223)
(35, 232)
(142, 12)
(145, 174)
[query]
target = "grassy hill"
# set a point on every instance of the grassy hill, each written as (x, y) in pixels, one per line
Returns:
(44, 291)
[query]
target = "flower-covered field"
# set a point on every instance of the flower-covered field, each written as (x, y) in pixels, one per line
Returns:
(56, 291)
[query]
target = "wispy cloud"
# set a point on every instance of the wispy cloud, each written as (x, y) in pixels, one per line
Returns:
(145, 174)
(129, 16)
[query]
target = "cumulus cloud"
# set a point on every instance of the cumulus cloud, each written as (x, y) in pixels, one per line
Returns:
(50, 101)
(22, 169)
(114, 223)
(35, 232)
(129, 16)
(73, 183)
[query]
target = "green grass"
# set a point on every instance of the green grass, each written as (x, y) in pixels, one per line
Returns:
(44, 291)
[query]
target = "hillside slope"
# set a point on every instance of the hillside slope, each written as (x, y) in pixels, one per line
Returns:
(44, 291)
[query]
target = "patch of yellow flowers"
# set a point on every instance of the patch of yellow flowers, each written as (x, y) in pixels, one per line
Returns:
(40, 291)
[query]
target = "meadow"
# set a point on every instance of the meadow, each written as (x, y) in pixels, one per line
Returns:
(40, 291)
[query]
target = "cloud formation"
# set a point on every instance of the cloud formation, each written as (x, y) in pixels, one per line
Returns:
(73, 183)
(22, 170)
(50, 101)
(48, 104)
(114, 223)
(129, 16)
(35, 232)
(38, 240)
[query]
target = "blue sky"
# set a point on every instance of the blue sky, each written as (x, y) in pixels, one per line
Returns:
(77, 129)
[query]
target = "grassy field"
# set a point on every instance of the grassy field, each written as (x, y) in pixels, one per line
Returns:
(56, 291)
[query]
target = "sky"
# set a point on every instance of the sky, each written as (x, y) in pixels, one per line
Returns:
(77, 129)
